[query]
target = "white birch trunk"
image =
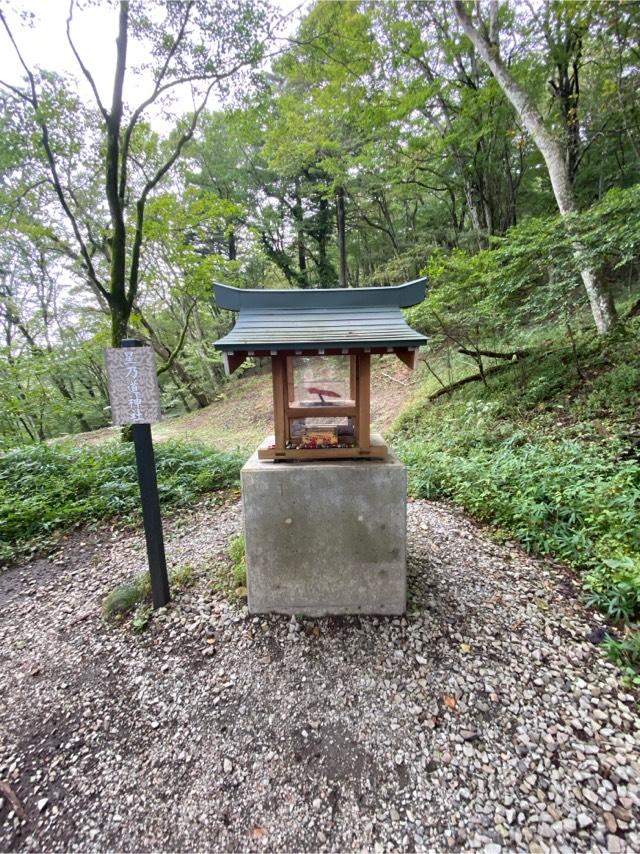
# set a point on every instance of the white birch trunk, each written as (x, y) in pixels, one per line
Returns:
(602, 305)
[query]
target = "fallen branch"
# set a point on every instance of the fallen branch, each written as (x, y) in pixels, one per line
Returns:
(512, 355)
(470, 379)
(634, 311)
(396, 380)
(433, 373)
(14, 800)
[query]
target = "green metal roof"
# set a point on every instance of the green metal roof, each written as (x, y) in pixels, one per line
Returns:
(334, 318)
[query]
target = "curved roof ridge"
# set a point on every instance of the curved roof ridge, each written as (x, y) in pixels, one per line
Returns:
(397, 296)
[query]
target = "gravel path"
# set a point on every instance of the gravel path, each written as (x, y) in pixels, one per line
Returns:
(486, 718)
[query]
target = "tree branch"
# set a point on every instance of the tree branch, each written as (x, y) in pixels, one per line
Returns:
(57, 185)
(524, 105)
(176, 350)
(18, 92)
(512, 355)
(140, 204)
(83, 67)
(146, 103)
(480, 377)
(20, 57)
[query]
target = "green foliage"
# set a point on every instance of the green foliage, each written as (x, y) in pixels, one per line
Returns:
(625, 652)
(557, 497)
(182, 577)
(614, 586)
(230, 576)
(136, 596)
(46, 488)
(616, 390)
(545, 457)
(141, 618)
(237, 554)
(126, 597)
(528, 276)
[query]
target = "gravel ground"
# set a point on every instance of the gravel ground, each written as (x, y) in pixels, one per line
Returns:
(485, 718)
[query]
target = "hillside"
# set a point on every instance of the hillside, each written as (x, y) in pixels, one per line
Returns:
(242, 415)
(547, 452)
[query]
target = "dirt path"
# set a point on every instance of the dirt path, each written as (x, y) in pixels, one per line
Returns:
(487, 717)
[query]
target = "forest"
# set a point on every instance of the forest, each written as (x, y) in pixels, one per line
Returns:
(494, 148)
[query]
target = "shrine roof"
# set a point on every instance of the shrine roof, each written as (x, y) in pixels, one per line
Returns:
(330, 318)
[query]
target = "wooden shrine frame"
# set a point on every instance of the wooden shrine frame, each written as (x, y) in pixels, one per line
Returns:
(358, 408)
(349, 322)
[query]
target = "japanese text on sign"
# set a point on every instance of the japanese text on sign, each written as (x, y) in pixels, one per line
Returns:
(133, 385)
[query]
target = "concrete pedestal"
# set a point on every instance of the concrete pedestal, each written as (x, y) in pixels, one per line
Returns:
(326, 537)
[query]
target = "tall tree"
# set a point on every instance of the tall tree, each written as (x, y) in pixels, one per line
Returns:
(326, 107)
(558, 153)
(199, 45)
(469, 144)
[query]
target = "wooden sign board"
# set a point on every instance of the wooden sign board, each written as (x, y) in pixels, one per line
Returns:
(133, 385)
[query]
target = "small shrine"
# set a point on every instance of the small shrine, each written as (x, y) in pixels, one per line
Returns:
(320, 343)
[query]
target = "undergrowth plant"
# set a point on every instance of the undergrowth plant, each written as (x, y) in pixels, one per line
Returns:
(547, 452)
(135, 596)
(625, 652)
(49, 488)
(237, 554)
(230, 576)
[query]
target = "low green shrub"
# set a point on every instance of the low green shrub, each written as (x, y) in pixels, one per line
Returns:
(124, 598)
(182, 577)
(616, 389)
(625, 652)
(229, 575)
(614, 586)
(547, 455)
(47, 488)
(135, 595)
(562, 498)
(237, 554)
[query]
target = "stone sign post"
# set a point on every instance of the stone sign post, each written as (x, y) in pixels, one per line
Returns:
(135, 400)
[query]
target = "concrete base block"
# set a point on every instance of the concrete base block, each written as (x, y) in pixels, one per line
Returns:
(326, 537)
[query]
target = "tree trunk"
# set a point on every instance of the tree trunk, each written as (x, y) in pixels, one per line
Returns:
(554, 154)
(185, 377)
(231, 246)
(177, 367)
(298, 215)
(64, 391)
(118, 303)
(474, 216)
(342, 237)
(326, 273)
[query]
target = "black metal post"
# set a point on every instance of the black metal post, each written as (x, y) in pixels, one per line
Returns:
(147, 479)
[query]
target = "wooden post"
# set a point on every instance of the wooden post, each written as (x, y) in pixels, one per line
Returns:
(288, 394)
(352, 376)
(146, 464)
(363, 406)
(279, 376)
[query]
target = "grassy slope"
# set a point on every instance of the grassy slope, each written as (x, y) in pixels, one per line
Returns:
(549, 453)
